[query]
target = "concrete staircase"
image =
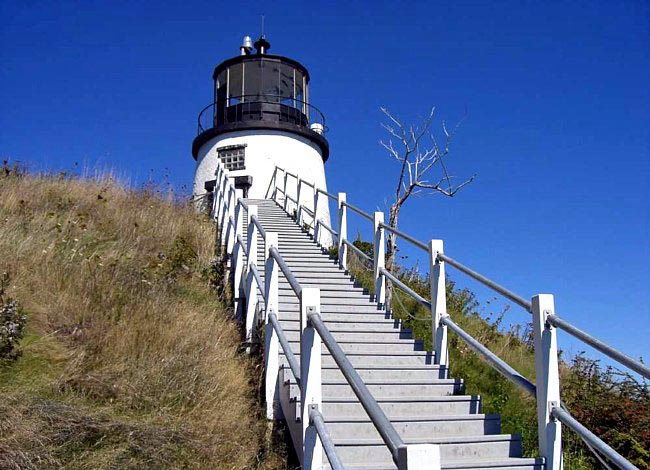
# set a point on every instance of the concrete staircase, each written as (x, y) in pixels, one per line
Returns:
(424, 404)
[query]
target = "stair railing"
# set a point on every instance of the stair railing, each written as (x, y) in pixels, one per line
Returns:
(302, 208)
(313, 330)
(313, 334)
(550, 413)
(308, 375)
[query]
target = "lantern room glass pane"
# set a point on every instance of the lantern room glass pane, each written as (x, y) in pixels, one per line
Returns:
(236, 76)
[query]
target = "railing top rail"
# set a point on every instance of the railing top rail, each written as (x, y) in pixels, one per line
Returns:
(293, 282)
(240, 241)
(359, 211)
(488, 282)
(327, 227)
(307, 210)
(591, 439)
(329, 195)
(495, 361)
(317, 420)
(286, 347)
(615, 354)
(243, 204)
(258, 280)
(385, 428)
(286, 172)
(405, 288)
(357, 250)
(257, 223)
(405, 236)
(305, 182)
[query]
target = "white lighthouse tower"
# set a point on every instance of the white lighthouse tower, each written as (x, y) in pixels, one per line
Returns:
(261, 120)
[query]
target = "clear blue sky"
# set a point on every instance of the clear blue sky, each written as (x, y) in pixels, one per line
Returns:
(556, 95)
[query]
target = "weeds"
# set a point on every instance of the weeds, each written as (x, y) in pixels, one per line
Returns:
(129, 358)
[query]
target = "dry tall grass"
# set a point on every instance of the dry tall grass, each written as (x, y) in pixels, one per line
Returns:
(130, 361)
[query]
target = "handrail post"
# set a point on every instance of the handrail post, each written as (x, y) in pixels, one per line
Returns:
(343, 231)
(274, 195)
(298, 197)
(215, 192)
(251, 291)
(230, 215)
(310, 377)
(238, 262)
(251, 237)
(284, 193)
(418, 457)
(380, 259)
(252, 304)
(438, 302)
(548, 381)
(316, 219)
(225, 210)
(271, 341)
(218, 200)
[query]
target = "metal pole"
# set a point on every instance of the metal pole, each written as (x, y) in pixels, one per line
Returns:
(438, 302)
(311, 393)
(380, 259)
(548, 381)
(271, 341)
(343, 231)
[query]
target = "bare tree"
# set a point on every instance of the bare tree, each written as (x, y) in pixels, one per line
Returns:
(422, 170)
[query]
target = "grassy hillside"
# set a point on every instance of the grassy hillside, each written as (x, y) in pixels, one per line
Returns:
(128, 359)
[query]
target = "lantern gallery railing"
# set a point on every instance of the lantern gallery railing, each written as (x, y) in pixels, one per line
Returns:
(545, 321)
(262, 107)
(306, 206)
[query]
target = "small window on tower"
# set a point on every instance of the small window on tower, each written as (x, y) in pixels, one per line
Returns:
(232, 157)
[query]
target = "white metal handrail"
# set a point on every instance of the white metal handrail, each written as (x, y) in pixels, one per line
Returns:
(325, 193)
(357, 251)
(288, 352)
(316, 419)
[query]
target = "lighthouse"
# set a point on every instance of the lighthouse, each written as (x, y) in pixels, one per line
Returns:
(261, 126)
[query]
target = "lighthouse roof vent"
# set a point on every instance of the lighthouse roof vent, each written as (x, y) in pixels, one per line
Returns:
(262, 45)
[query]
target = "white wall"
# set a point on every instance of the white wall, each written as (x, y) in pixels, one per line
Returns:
(266, 149)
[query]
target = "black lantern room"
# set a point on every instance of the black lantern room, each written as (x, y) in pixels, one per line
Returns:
(261, 91)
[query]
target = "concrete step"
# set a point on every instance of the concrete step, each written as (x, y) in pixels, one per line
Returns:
(289, 297)
(386, 373)
(352, 326)
(307, 248)
(418, 426)
(310, 273)
(343, 335)
(463, 448)
(298, 268)
(478, 464)
(306, 259)
(399, 407)
(369, 307)
(326, 283)
(332, 293)
(441, 387)
(396, 347)
(350, 302)
(391, 359)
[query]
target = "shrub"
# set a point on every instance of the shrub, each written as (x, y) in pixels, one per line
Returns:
(12, 324)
